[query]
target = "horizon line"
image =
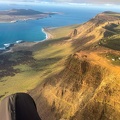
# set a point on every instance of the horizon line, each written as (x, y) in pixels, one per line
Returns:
(59, 3)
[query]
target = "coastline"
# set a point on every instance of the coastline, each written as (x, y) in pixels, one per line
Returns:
(24, 45)
(48, 35)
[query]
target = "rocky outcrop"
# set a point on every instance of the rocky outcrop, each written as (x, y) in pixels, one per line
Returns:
(78, 92)
(74, 33)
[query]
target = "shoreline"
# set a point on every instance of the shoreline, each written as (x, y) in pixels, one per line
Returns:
(25, 44)
(48, 35)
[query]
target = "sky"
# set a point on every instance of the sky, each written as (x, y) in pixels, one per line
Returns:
(69, 1)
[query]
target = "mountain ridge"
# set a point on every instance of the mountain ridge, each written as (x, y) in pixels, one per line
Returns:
(78, 78)
(88, 85)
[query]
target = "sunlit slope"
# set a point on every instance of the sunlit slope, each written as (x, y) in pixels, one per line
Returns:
(88, 86)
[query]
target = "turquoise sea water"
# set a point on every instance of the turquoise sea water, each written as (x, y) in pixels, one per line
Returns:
(32, 29)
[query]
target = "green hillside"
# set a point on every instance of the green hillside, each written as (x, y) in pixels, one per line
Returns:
(22, 71)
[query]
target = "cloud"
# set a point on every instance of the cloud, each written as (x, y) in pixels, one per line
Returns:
(89, 1)
(69, 1)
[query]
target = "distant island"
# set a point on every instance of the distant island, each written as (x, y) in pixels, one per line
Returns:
(15, 15)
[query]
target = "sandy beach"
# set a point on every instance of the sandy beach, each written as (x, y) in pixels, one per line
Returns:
(48, 35)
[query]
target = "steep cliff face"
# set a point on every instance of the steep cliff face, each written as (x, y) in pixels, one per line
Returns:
(83, 90)
(88, 87)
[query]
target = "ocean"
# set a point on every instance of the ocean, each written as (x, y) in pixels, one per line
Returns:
(31, 30)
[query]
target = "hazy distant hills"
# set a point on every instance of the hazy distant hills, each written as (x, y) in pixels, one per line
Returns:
(22, 14)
